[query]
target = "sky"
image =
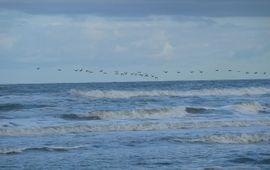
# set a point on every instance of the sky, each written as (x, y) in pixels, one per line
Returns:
(126, 35)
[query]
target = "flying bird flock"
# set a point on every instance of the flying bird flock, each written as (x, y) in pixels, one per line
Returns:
(155, 76)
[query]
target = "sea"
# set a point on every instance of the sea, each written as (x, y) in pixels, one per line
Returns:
(200, 125)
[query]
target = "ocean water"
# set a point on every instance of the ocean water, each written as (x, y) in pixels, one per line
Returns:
(136, 125)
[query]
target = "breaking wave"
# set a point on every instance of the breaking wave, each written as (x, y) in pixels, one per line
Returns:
(44, 148)
(152, 113)
(228, 139)
(176, 93)
(147, 126)
(128, 114)
(248, 108)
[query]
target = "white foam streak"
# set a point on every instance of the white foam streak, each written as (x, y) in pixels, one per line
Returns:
(247, 108)
(243, 138)
(10, 150)
(239, 138)
(153, 93)
(136, 113)
(130, 127)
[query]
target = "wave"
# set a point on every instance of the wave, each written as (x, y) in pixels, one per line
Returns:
(43, 148)
(117, 126)
(172, 93)
(248, 108)
(128, 114)
(172, 112)
(225, 139)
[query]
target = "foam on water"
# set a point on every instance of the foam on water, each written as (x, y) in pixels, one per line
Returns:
(129, 114)
(247, 108)
(244, 138)
(146, 126)
(43, 148)
(153, 93)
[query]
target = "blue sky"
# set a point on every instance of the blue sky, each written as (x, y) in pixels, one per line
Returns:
(126, 35)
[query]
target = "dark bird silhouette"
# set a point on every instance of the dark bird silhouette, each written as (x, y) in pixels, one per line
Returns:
(38, 68)
(256, 72)
(201, 71)
(165, 72)
(264, 73)
(81, 70)
(229, 70)
(59, 69)
(217, 69)
(76, 70)
(100, 70)
(178, 72)
(247, 72)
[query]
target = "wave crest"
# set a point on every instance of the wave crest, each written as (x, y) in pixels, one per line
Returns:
(248, 108)
(176, 93)
(128, 114)
(44, 148)
(130, 127)
(229, 139)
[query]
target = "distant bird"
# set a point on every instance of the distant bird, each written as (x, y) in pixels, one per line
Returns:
(191, 72)
(75, 70)
(229, 70)
(201, 71)
(247, 72)
(217, 70)
(59, 69)
(81, 70)
(38, 68)
(178, 72)
(264, 73)
(100, 70)
(165, 72)
(256, 72)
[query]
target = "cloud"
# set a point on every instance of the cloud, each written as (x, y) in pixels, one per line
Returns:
(153, 42)
(139, 8)
(6, 41)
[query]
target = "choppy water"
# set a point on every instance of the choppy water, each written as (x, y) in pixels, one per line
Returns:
(143, 125)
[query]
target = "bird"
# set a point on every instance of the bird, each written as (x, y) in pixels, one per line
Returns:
(165, 72)
(191, 72)
(75, 70)
(229, 70)
(264, 73)
(247, 72)
(201, 71)
(81, 70)
(256, 72)
(59, 69)
(178, 72)
(38, 68)
(217, 69)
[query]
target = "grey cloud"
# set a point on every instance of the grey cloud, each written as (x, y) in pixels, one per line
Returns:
(127, 8)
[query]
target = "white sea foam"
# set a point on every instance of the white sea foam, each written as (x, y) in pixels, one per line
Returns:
(152, 93)
(130, 114)
(229, 138)
(130, 127)
(248, 108)
(238, 138)
(10, 150)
